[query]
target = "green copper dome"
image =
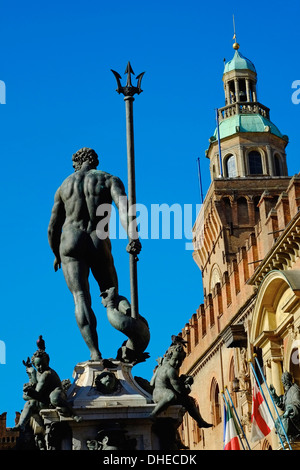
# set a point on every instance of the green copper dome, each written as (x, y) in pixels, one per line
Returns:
(239, 62)
(246, 123)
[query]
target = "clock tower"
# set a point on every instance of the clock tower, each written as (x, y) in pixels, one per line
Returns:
(245, 233)
(248, 174)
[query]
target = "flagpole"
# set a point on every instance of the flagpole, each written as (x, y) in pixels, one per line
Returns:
(200, 179)
(219, 143)
(261, 390)
(235, 412)
(224, 425)
(275, 407)
(224, 398)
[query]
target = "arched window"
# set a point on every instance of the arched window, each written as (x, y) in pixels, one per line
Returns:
(242, 88)
(215, 402)
(255, 163)
(230, 166)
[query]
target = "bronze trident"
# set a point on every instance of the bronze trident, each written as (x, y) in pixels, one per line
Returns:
(129, 91)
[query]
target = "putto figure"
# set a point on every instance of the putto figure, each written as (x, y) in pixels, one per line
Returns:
(44, 390)
(170, 388)
(76, 242)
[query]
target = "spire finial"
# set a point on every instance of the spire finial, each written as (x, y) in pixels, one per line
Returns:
(236, 45)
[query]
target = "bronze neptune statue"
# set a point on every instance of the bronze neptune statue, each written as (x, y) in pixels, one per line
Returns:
(81, 244)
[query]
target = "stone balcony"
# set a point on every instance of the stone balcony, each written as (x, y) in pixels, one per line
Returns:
(245, 107)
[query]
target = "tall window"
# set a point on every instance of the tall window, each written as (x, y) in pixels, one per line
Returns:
(228, 290)
(256, 200)
(230, 167)
(215, 402)
(225, 201)
(255, 163)
(242, 210)
(277, 164)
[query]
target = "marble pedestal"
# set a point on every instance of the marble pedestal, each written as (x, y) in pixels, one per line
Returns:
(114, 413)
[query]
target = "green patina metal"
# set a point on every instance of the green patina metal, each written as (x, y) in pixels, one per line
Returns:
(246, 123)
(239, 62)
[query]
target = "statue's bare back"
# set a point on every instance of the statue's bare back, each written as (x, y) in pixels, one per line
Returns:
(76, 242)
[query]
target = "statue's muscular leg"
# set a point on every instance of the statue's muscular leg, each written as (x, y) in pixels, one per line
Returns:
(102, 264)
(190, 406)
(163, 399)
(76, 276)
(30, 410)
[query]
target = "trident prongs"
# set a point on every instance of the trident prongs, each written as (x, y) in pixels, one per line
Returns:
(128, 89)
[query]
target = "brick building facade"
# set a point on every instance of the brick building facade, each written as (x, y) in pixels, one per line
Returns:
(246, 244)
(8, 437)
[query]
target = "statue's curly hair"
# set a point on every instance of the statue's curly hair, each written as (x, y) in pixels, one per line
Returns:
(41, 354)
(175, 348)
(286, 376)
(82, 155)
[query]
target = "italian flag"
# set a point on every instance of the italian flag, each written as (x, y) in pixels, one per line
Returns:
(231, 439)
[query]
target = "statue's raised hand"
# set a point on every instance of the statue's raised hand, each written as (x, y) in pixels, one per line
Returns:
(28, 387)
(57, 264)
(134, 247)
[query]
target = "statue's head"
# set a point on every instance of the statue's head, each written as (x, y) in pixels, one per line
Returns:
(287, 379)
(106, 382)
(40, 360)
(175, 355)
(85, 155)
(110, 439)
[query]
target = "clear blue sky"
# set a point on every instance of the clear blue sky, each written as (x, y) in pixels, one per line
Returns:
(60, 96)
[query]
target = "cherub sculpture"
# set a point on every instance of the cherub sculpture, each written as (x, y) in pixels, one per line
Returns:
(44, 389)
(172, 389)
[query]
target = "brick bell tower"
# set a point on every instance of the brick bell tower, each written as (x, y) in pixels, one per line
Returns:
(248, 174)
(250, 201)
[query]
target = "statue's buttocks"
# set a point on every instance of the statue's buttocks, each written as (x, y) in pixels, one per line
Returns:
(78, 244)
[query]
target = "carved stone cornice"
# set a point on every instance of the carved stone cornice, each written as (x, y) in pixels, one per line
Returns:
(283, 253)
